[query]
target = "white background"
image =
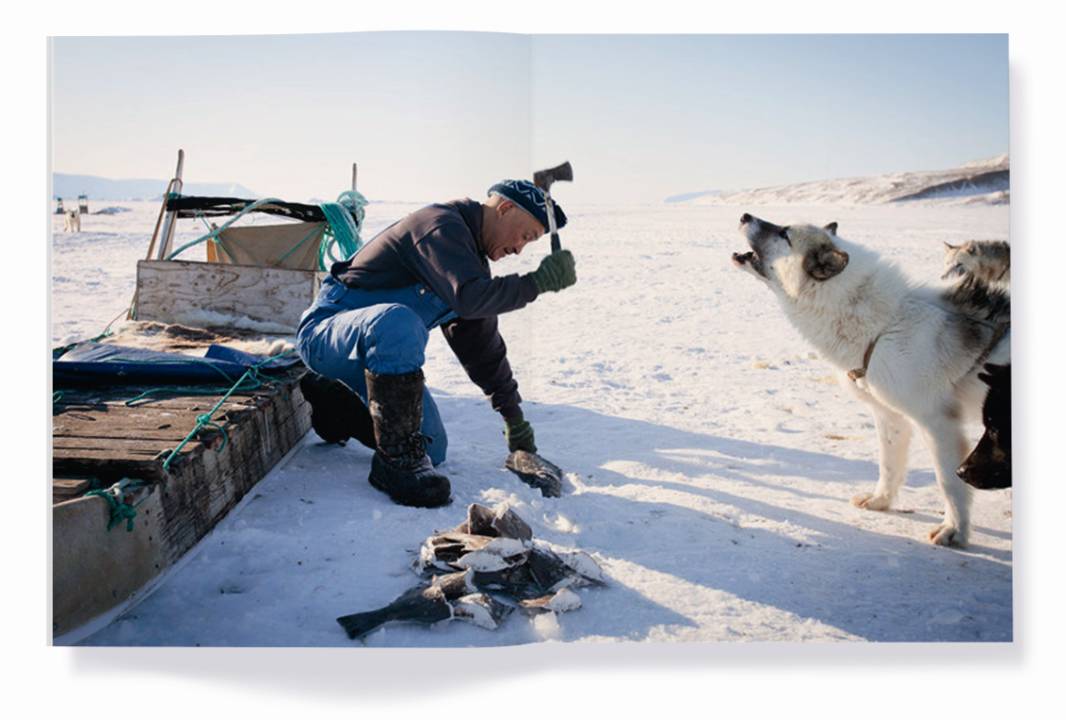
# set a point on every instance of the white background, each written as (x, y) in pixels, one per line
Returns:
(713, 680)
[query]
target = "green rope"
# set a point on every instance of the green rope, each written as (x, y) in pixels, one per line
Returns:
(314, 231)
(199, 215)
(208, 423)
(101, 336)
(151, 393)
(341, 229)
(210, 230)
(206, 420)
(115, 497)
(202, 421)
(61, 351)
(255, 384)
(214, 233)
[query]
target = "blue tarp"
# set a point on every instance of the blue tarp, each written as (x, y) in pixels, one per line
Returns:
(92, 363)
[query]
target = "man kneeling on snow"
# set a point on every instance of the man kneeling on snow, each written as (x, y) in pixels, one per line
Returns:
(369, 326)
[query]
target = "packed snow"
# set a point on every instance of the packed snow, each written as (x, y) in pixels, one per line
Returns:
(710, 458)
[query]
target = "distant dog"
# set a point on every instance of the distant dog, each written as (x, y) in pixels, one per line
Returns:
(917, 350)
(72, 221)
(988, 467)
(986, 261)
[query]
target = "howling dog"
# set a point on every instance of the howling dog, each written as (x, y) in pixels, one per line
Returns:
(916, 350)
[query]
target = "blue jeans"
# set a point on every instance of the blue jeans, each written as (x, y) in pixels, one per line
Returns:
(349, 330)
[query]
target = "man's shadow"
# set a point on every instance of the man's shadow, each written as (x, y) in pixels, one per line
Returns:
(722, 546)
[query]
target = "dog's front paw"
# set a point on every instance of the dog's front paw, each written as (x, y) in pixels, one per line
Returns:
(948, 535)
(869, 501)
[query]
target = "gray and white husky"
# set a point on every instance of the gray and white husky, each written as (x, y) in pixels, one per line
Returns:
(918, 350)
(986, 261)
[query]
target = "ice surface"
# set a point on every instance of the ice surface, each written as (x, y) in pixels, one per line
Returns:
(710, 458)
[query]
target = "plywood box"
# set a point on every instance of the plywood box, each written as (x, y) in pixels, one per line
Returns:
(219, 295)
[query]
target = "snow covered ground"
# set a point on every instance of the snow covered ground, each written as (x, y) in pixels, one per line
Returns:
(710, 458)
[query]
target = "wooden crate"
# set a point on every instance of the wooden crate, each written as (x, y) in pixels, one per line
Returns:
(185, 292)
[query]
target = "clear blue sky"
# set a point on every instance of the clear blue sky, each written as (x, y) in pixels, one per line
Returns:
(437, 115)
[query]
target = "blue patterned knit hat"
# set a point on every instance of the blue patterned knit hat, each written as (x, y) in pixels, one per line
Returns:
(530, 198)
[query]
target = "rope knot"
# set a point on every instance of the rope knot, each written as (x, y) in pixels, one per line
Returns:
(115, 497)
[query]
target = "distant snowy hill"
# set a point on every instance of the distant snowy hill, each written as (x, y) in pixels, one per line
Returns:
(986, 182)
(99, 188)
(685, 197)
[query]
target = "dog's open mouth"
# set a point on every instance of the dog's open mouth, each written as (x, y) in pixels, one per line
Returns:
(749, 258)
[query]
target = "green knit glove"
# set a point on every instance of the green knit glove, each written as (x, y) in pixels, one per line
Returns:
(519, 434)
(556, 272)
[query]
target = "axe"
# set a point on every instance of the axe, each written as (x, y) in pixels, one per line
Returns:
(544, 180)
(530, 467)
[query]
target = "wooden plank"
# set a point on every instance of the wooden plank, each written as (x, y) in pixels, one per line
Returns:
(155, 426)
(107, 467)
(165, 436)
(173, 403)
(175, 291)
(136, 438)
(166, 425)
(94, 570)
(122, 447)
(161, 403)
(68, 488)
(137, 454)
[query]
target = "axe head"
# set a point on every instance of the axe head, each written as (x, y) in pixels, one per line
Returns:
(544, 178)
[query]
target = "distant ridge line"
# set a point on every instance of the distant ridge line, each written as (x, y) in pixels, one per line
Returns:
(984, 182)
(99, 188)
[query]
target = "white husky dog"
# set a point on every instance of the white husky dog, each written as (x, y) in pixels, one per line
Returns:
(917, 350)
(72, 221)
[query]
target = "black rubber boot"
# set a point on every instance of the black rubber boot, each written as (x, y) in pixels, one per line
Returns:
(400, 467)
(337, 413)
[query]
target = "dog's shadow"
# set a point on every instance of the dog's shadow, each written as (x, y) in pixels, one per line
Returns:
(811, 555)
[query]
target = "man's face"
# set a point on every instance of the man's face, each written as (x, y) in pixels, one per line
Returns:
(513, 230)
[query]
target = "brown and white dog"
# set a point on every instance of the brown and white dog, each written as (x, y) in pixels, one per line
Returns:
(985, 261)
